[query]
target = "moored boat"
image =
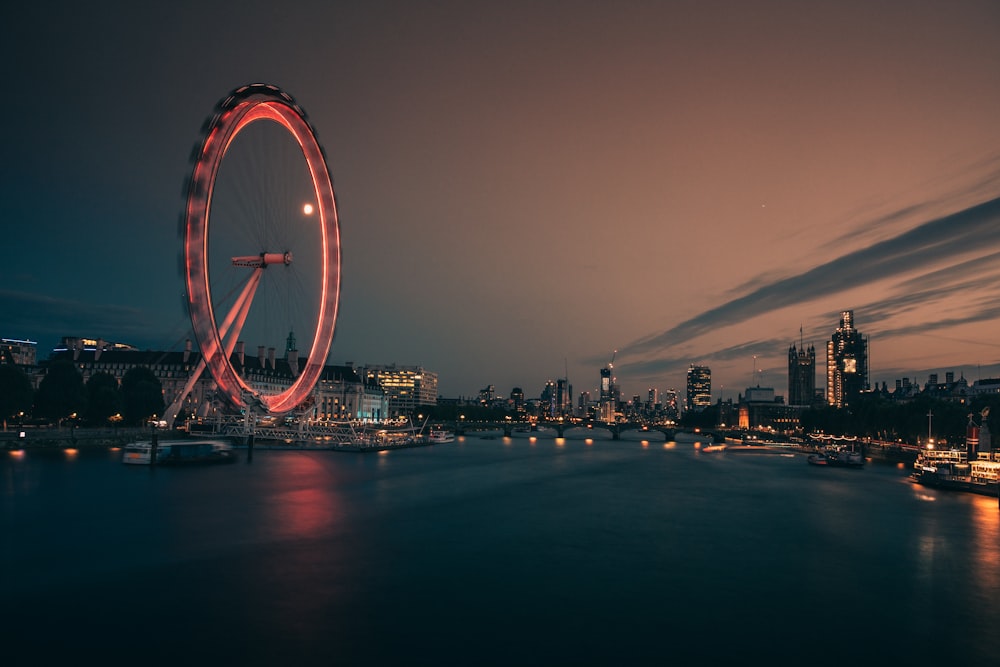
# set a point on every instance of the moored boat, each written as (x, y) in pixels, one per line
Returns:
(844, 457)
(966, 469)
(178, 452)
(837, 456)
(438, 436)
(941, 469)
(817, 459)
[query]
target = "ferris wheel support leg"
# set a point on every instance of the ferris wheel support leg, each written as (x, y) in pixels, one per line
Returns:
(229, 333)
(171, 413)
(239, 312)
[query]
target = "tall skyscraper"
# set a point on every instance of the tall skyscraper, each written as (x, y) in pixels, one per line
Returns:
(652, 398)
(699, 387)
(564, 396)
(846, 363)
(671, 409)
(608, 400)
(801, 373)
(517, 396)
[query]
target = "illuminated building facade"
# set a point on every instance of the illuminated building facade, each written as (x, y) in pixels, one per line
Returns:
(557, 398)
(564, 397)
(18, 352)
(340, 394)
(846, 363)
(608, 401)
(547, 399)
(517, 398)
(606, 384)
(171, 369)
(671, 405)
(699, 387)
(407, 387)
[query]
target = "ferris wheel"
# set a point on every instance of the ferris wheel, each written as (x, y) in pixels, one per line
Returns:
(261, 247)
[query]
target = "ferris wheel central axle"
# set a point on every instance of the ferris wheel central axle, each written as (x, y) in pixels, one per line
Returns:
(263, 260)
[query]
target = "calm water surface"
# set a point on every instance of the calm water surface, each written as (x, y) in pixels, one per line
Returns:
(553, 552)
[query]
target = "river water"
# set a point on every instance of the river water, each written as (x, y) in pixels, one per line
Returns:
(492, 551)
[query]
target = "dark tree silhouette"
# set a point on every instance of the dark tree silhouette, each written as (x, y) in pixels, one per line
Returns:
(884, 419)
(142, 395)
(16, 393)
(103, 398)
(60, 392)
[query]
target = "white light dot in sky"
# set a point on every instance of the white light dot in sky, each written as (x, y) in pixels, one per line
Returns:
(307, 209)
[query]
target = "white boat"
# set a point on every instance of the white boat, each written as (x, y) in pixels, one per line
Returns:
(438, 436)
(843, 456)
(178, 452)
(817, 459)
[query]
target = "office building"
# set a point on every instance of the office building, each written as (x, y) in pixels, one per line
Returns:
(341, 393)
(699, 387)
(408, 388)
(18, 352)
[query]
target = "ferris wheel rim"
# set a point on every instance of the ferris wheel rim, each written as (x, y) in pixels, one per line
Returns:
(246, 105)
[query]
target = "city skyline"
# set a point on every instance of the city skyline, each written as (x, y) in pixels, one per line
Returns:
(526, 189)
(803, 374)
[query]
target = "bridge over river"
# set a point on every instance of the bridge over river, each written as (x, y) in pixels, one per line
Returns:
(564, 429)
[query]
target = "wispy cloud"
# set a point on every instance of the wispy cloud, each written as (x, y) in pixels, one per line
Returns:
(652, 368)
(945, 238)
(39, 316)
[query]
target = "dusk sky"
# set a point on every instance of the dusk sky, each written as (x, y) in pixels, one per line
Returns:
(526, 187)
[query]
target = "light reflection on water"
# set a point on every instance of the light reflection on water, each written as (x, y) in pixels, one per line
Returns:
(986, 541)
(315, 556)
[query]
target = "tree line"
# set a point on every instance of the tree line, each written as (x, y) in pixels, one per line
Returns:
(909, 421)
(62, 395)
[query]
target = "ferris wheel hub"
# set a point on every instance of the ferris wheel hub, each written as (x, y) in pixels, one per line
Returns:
(263, 260)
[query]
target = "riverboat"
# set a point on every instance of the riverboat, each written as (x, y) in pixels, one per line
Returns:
(178, 452)
(438, 436)
(844, 456)
(817, 459)
(383, 439)
(965, 469)
(837, 458)
(952, 469)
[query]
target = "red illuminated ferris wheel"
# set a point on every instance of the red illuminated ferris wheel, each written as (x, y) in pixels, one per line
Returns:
(261, 245)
